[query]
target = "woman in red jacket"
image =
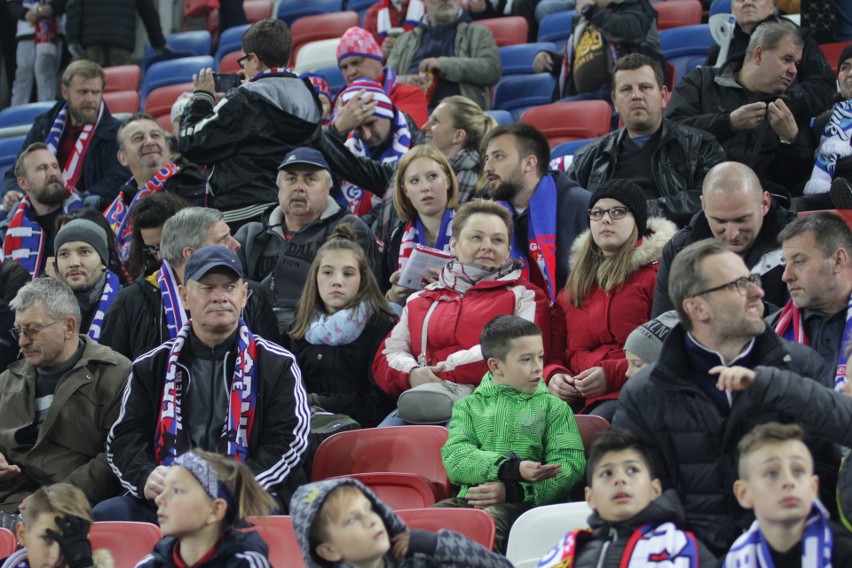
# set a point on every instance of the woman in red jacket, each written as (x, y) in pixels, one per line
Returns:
(447, 317)
(609, 293)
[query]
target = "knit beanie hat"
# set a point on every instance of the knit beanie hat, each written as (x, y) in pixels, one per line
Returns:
(358, 42)
(646, 341)
(844, 55)
(319, 83)
(86, 231)
(385, 108)
(627, 193)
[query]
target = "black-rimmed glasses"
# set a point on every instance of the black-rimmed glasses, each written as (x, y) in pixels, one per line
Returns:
(615, 213)
(242, 60)
(31, 331)
(741, 285)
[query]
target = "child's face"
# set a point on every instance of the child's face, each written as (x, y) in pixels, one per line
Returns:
(42, 551)
(621, 486)
(326, 106)
(780, 484)
(358, 536)
(523, 366)
(183, 508)
(338, 279)
(634, 364)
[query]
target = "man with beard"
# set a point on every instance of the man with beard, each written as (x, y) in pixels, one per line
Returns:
(80, 131)
(691, 427)
(29, 238)
(82, 257)
(548, 208)
(280, 249)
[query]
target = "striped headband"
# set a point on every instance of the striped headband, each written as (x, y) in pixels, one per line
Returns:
(385, 108)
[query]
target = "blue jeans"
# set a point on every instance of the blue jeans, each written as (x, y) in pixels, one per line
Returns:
(394, 419)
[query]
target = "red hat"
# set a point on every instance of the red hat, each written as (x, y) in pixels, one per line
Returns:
(358, 42)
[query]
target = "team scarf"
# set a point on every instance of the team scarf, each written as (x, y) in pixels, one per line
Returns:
(340, 328)
(412, 16)
(791, 326)
(752, 551)
(169, 438)
(415, 234)
(649, 545)
(175, 313)
(24, 240)
(541, 234)
(74, 164)
(272, 72)
(834, 144)
(118, 215)
(108, 296)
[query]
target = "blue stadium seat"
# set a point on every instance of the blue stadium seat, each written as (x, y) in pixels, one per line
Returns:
(23, 114)
(685, 48)
(172, 72)
(334, 77)
(518, 59)
(557, 28)
(292, 10)
(720, 7)
(229, 41)
(184, 44)
(569, 148)
(9, 149)
(501, 116)
(519, 92)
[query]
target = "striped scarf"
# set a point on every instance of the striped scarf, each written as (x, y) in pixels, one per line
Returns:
(169, 438)
(273, 72)
(118, 215)
(110, 293)
(791, 326)
(415, 234)
(175, 313)
(74, 165)
(412, 16)
(752, 551)
(24, 240)
(834, 144)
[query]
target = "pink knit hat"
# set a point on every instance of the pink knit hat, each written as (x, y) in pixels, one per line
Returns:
(358, 42)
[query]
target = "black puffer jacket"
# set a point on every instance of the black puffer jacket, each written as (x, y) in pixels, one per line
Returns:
(342, 376)
(110, 22)
(683, 157)
(694, 448)
(235, 550)
(763, 258)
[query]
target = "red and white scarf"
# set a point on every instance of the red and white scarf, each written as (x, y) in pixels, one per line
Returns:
(412, 16)
(415, 234)
(74, 165)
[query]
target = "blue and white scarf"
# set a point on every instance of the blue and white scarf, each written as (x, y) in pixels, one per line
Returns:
(74, 164)
(175, 313)
(108, 296)
(415, 234)
(834, 144)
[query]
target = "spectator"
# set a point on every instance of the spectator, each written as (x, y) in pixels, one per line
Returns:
(736, 211)
(252, 127)
(359, 57)
(667, 160)
(448, 55)
(437, 336)
(279, 251)
(387, 19)
(150, 311)
(258, 415)
(59, 402)
(745, 108)
(81, 132)
(323, 91)
(39, 37)
(97, 217)
(691, 428)
(642, 347)
(606, 31)
(516, 160)
(340, 321)
(32, 228)
(608, 294)
(147, 221)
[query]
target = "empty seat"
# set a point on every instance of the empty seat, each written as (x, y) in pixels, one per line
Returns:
(230, 62)
(509, 30)
(173, 72)
(317, 54)
(8, 542)
(540, 529)
(832, 52)
(159, 101)
(122, 78)
(519, 92)
(720, 7)
(183, 44)
(501, 116)
(518, 59)
(292, 10)
(686, 48)
(575, 120)
(568, 149)
(320, 26)
(590, 426)
(122, 101)
(11, 146)
(23, 114)
(277, 531)
(677, 13)
(557, 28)
(127, 542)
(257, 10)
(398, 490)
(229, 41)
(475, 524)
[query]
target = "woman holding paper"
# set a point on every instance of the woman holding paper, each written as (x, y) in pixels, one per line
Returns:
(437, 337)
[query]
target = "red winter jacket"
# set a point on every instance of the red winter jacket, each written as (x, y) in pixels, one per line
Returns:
(454, 328)
(593, 335)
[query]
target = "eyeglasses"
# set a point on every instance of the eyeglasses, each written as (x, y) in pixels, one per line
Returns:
(31, 331)
(741, 285)
(615, 213)
(153, 250)
(242, 60)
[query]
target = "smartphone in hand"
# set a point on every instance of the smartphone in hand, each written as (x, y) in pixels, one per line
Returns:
(225, 82)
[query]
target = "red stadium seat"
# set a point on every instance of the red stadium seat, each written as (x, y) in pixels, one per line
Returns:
(575, 120)
(277, 532)
(509, 30)
(475, 524)
(257, 10)
(677, 13)
(228, 63)
(122, 78)
(122, 101)
(590, 426)
(398, 490)
(159, 102)
(320, 26)
(8, 542)
(127, 542)
(832, 52)
(845, 214)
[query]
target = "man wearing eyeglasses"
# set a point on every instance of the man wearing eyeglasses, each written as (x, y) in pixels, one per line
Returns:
(59, 402)
(690, 426)
(736, 211)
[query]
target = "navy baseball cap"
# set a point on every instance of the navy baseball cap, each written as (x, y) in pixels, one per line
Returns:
(207, 258)
(304, 155)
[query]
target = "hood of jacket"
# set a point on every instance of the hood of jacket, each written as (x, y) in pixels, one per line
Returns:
(648, 250)
(287, 95)
(488, 389)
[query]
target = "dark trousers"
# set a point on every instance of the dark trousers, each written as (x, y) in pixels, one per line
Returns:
(126, 508)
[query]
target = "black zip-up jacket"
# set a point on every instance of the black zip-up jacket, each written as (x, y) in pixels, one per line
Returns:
(763, 258)
(693, 447)
(110, 22)
(279, 435)
(235, 550)
(683, 157)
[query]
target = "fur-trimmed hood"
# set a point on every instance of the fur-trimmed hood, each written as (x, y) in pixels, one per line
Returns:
(648, 250)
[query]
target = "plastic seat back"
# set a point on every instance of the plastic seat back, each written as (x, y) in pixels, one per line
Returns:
(317, 54)
(277, 531)
(832, 52)
(257, 10)
(501, 116)
(720, 7)
(183, 44)
(575, 120)
(845, 214)
(518, 59)
(334, 77)
(23, 114)
(508, 30)
(475, 524)
(519, 92)
(8, 542)
(11, 146)
(229, 63)
(122, 78)
(540, 529)
(127, 542)
(399, 490)
(685, 48)
(677, 13)
(292, 10)
(590, 426)
(173, 72)
(229, 41)
(557, 28)
(122, 101)
(159, 102)
(320, 26)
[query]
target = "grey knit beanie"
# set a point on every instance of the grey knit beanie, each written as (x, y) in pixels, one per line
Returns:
(85, 231)
(646, 341)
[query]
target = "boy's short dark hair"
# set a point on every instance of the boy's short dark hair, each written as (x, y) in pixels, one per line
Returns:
(615, 440)
(270, 41)
(498, 334)
(760, 436)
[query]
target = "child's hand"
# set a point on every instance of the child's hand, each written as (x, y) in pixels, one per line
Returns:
(487, 494)
(534, 471)
(591, 382)
(733, 378)
(400, 544)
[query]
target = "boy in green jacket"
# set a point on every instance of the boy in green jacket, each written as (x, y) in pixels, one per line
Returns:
(512, 445)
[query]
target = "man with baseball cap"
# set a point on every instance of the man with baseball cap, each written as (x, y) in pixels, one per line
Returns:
(217, 387)
(82, 257)
(280, 249)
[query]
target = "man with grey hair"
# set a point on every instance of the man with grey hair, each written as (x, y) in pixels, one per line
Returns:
(280, 249)
(59, 402)
(691, 427)
(749, 110)
(149, 312)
